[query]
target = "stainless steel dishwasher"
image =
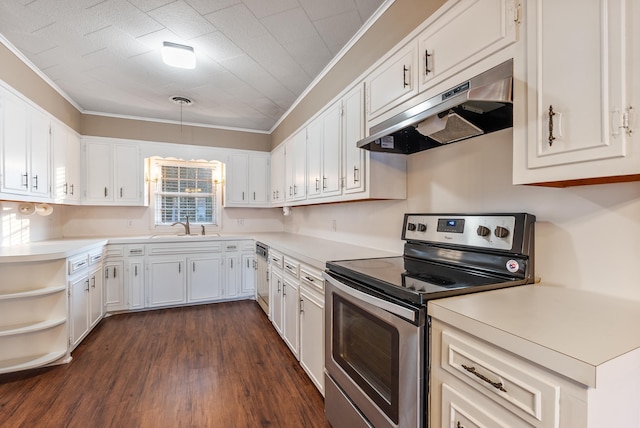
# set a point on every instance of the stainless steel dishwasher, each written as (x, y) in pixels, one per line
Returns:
(262, 252)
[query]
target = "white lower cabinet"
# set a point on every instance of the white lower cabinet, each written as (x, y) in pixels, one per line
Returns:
(312, 326)
(96, 296)
(296, 308)
(135, 283)
(476, 384)
(79, 309)
(205, 278)
(115, 297)
(249, 273)
(167, 281)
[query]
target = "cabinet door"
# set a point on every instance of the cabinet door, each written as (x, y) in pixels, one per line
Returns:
(393, 82)
(295, 166)
(290, 309)
(96, 294)
(312, 336)
(352, 132)
(79, 309)
(314, 158)
(331, 146)
(99, 171)
(249, 275)
(167, 281)
(237, 179)
(72, 168)
(14, 128)
(444, 53)
(60, 186)
(258, 179)
(136, 284)
(39, 153)
(276, 301)
(277, 175)
(127, 172)
(577, 102)
(114, 286)
(233, 275)
(205, 278)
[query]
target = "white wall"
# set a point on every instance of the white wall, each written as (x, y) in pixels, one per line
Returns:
(587, 237)
(16, 229)
(87, 221)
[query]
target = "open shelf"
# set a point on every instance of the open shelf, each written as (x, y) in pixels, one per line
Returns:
(33, 293)
(30, 361)
(23, 328)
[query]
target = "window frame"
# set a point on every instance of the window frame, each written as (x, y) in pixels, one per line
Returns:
(156, 164)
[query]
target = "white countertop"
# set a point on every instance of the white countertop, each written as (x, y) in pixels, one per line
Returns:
(47, 250)
(312, 251)
(315, 251)
(573, 332)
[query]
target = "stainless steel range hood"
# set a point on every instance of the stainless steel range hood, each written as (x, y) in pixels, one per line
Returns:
(478, 106)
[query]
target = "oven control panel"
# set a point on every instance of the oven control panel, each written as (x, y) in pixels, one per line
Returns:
(484, 231)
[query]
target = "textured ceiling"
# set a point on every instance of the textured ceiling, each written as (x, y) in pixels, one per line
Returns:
(254, 57)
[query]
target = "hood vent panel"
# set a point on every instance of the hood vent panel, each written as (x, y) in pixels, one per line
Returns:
(479, 106)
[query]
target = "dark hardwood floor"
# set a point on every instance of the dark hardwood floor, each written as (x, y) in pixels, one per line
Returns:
(218, 365)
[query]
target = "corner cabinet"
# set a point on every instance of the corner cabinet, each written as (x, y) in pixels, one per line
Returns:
(247, 180)
(114, 173)
(65, 144)
(579, 125)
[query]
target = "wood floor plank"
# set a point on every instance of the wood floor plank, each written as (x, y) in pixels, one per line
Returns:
(218, 365)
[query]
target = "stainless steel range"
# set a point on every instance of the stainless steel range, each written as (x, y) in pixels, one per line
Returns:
(376, 326)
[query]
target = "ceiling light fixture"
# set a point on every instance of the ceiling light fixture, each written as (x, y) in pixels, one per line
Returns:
(180, 56)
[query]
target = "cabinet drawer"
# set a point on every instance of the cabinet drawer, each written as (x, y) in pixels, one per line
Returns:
(292, 267)
(135, 251)
(77, 263)
(312, 277)
(466, 409)
(502, 377)
(95, 257)
(276, 259)
(184, 248)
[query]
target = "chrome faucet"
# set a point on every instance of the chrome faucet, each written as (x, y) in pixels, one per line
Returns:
(187, 227)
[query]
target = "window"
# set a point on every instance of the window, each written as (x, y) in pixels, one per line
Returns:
(186, 189)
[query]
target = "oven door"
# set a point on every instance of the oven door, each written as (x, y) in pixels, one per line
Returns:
(374, 360)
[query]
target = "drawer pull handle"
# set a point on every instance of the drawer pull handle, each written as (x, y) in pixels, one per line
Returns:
(308, 278)
(459, 425)
(472, 370)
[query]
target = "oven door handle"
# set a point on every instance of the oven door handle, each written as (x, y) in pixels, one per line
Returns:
(372, 300)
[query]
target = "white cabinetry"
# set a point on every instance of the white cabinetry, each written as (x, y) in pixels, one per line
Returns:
(167, 280)
(579, 117)
(86, 304)
(278, 192)
(249, 274)
(312, 325)
(66, 164)
(237, 253)
(25, 143)
(295, 157)
(113, 173)
(443, 52)
(323, 153)
(393, 82)
(275, 283)
(247, 179)
(114, 279)
(205, 277)
(134, 281)
(96, 288)
(291, 305)
(354, 158)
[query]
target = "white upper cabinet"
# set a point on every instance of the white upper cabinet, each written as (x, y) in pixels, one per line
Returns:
(113, 173)
(354, 158)
(25, 142)
(324, 144)
(468, 32)
(247, 179)
(578, 123)
(277, 176)
(393, 82)
(66, 164)
(295, 156)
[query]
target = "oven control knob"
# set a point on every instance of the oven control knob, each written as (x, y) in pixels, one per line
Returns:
(501, 232)
(411, 226)
(483, 231)
(422, 227)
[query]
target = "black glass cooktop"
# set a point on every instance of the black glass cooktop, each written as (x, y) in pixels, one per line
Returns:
(417, 281)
